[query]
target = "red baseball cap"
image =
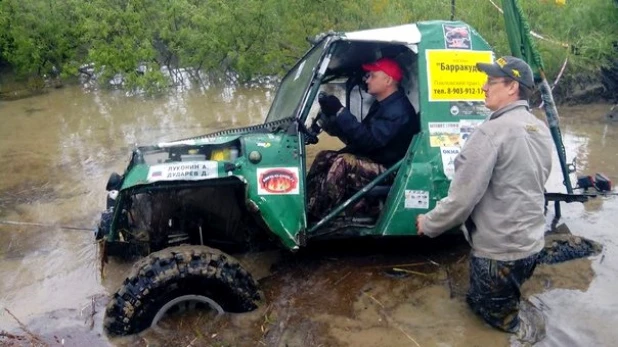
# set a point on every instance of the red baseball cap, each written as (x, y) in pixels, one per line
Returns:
(386, 65)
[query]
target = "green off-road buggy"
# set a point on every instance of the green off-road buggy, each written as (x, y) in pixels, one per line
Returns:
(182, 204)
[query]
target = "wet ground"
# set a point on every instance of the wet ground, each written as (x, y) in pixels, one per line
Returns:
(58, 149)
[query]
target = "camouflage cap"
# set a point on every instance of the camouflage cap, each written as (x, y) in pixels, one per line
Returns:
(512, 67)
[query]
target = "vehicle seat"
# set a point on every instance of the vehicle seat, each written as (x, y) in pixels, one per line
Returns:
(357, 98)
(379, 191)
(372, 203)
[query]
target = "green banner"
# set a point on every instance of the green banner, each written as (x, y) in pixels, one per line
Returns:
(518, 32)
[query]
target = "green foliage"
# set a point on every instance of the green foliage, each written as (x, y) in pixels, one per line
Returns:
(35, 37)
(260, 37)
(588, 26)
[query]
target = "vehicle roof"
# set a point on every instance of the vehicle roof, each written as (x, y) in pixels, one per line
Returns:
(407, 34)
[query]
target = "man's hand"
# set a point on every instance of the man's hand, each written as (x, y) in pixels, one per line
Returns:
(330, 104)
(420, 220)
(327, 124)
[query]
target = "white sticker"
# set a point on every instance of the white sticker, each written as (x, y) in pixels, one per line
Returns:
(443, 134)
(436, 128)
(466, 128)
(183, 171)
(278, 181)
(448, 160)
(416, 199)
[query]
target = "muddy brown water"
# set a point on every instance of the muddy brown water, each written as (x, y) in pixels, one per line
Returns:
(58, 149)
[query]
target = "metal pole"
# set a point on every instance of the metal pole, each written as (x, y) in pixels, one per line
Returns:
(553, 120)
(452, 9)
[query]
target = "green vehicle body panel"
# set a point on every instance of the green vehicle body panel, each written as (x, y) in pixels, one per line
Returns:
(285, 214)
(423, 167)
(136, 176)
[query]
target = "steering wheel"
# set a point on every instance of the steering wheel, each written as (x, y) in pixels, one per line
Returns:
(320, 121)
(312, 132)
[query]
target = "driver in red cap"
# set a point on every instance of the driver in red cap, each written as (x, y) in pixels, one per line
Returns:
(372, 145)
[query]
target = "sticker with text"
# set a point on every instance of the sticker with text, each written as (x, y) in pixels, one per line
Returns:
(444, 134)
(469, 108)
(183, 171)
(448, 160)
(466, 128)
(452, 74)
(416, 199)
(278, 181)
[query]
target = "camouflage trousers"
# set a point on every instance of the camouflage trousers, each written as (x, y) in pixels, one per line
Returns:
(335, 177)
(494, 292)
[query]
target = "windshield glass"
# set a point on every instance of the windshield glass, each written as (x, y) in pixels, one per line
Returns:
(294, 85)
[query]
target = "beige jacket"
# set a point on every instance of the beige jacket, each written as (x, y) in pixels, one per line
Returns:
(498, 187)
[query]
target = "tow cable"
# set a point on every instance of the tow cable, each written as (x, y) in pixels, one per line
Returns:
(9, 222)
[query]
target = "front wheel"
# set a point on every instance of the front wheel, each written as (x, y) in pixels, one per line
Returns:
(179, 275)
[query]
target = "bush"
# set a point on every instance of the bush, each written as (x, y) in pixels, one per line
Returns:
(263, 37)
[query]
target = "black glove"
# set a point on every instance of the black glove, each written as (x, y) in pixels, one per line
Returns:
(327, 123)
(329, 103)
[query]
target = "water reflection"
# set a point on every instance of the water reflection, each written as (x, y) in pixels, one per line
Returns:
(586, 317)
(57, 152)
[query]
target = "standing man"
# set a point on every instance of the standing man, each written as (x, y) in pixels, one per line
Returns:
(372, 146)
(497, 193)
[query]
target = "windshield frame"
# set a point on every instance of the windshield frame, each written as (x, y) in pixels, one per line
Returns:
(278, 109)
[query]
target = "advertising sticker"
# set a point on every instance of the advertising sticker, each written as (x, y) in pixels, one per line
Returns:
(457, 36)
(469, 108)
(466, 127)
(278, 181)
(448, 160)
(453, 76)
(416, 199)
(183, 171)
(444, 134)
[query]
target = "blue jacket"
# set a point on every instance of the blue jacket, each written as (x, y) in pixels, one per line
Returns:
(385, 133)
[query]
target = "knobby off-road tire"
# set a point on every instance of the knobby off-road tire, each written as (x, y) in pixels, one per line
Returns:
(564, 247)
(176, 271)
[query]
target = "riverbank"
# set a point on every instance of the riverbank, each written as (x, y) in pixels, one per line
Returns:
(12, 88)
(588, 88)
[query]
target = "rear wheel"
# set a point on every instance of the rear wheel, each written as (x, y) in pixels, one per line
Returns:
(176, 279)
